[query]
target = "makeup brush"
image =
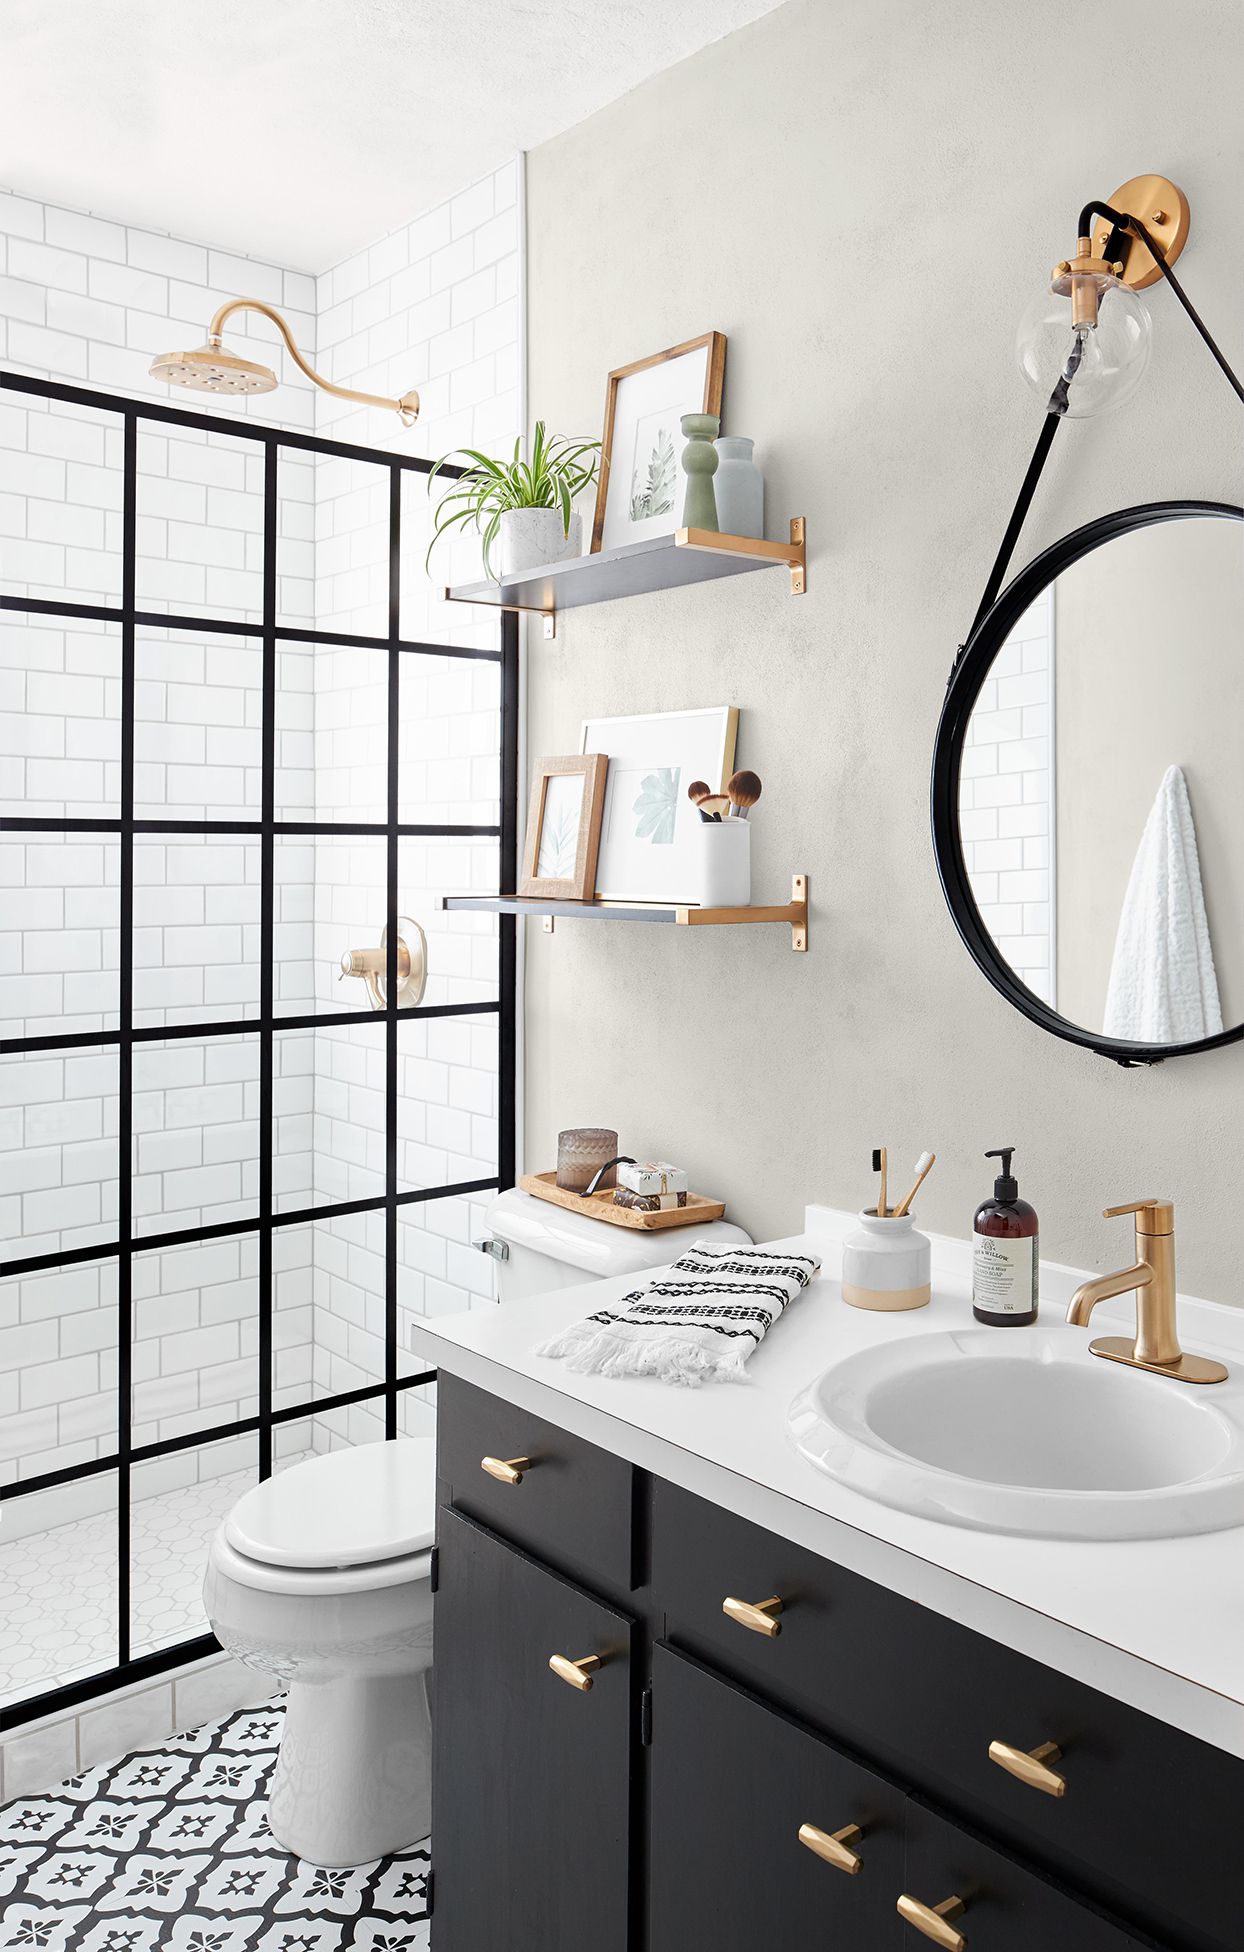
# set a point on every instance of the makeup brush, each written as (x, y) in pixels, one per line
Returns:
(880, 1164)
(924, 1165)
(699, 791)
(715, 807)
(743, 790)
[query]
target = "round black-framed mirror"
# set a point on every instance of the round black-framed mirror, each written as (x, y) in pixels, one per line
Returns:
(957, 731)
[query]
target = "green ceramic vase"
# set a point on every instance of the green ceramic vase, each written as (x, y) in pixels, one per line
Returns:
(699, 462)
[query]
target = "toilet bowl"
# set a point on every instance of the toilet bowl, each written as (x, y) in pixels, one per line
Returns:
(321, 1577)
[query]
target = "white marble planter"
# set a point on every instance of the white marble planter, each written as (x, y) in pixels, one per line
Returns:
(531, 537)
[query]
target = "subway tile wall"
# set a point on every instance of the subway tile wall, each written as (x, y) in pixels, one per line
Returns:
(84, 300)
(1006, 801)
(436, 305)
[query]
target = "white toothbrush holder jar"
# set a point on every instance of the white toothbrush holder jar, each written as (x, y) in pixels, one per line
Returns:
(724, 863)
(886, 1264)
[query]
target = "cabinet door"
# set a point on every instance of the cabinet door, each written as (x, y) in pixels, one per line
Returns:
(734, 1783)
(531, 1786)
(1004, 1906)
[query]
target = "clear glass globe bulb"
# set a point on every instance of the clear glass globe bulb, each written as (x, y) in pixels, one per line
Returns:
(1106, 360)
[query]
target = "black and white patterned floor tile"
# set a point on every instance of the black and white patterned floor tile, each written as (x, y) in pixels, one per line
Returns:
(169, 1850)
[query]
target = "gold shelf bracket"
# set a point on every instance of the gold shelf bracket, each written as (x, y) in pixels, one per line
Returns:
(799, 568)
(799, 899)
(793, 553)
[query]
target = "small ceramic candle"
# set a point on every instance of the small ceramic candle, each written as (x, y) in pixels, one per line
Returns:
(581, 1152)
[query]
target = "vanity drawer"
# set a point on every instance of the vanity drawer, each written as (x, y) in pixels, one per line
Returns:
(1006, 1908)
(574, 1505)
(1149, 1821)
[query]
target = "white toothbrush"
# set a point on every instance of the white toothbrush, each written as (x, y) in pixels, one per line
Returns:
(923, 1167)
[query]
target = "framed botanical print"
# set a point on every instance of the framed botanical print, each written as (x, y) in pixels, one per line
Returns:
(647, 850)
(640, 488)
(563, 827)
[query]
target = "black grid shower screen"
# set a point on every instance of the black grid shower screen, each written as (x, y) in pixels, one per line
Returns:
(267, 829)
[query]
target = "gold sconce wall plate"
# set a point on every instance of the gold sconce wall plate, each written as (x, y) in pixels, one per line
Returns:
(1162, 208)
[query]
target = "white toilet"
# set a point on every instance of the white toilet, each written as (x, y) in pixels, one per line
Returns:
(320, 1576)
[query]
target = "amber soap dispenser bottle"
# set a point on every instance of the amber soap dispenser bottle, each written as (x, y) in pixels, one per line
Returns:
(1004, 1253)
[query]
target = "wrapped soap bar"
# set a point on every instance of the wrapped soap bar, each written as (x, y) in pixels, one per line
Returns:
(652, 1177)
(648, 1202)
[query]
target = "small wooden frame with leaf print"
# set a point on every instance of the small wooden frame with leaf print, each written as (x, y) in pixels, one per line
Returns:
(644, 403)
(563, 827)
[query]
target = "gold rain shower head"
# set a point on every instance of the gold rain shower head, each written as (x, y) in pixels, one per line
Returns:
(210, 369)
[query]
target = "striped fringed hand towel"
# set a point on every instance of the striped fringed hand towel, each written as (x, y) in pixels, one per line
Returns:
(698, 1323)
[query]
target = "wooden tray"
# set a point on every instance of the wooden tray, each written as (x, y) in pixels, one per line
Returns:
(697, 1212)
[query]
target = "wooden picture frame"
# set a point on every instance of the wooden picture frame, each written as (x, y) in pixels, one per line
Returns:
(560, 864)
(713, 346)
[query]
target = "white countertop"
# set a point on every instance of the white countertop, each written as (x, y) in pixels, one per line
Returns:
(1158, 1623)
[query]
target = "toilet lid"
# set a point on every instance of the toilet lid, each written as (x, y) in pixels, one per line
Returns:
(348, 1508)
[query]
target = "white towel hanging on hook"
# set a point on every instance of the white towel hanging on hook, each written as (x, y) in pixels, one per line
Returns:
(1162, 987)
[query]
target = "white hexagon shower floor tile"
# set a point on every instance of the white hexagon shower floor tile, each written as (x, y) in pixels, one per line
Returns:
(58, 1621)
(169, 1850)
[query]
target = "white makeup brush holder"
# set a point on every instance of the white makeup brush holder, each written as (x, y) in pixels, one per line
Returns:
(886, 1264)
(723, 863)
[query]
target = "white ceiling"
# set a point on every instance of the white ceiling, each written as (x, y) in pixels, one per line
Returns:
(299, 130)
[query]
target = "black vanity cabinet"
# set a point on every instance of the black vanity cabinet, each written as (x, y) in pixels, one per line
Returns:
(722, 1785)
(532, 1776)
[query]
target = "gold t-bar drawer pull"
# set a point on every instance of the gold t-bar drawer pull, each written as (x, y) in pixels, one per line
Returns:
(758, 1618)
(934, 1920)
(576, 1674)
(1031, 1766)
(833, 1848)
(507, 1470)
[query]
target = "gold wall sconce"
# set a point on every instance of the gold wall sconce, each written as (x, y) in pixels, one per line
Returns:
(412, 965)
(210, 369)
(1088, 355)
(1083, 344)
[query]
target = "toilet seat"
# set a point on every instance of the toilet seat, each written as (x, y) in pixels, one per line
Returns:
(345, 1522)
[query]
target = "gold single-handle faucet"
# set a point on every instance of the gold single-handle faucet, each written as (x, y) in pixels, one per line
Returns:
(1156, 1346)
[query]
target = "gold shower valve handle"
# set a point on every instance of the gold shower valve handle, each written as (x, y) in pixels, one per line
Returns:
(1031, 1766)
(371, 965)
(934, 1920)
(506, 1470)
(832, 1846)
(758, 1616)
(576, 1674)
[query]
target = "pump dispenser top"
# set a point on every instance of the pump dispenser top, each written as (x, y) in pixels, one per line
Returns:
(1005, 1186)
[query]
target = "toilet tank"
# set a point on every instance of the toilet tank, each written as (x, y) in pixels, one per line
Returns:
(539, 1247)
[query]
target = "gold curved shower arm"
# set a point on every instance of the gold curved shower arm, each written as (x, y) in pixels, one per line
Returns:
(407, 408)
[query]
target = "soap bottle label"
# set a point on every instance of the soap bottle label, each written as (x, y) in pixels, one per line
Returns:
(1004, 1275)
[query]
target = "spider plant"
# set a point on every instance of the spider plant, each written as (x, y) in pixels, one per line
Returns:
(558, 470)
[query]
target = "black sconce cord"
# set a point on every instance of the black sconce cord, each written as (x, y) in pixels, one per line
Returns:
(1132, 226)
(1127, 226)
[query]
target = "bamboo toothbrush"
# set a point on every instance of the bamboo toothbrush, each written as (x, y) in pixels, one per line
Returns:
(924, 1166)
(880, 1165)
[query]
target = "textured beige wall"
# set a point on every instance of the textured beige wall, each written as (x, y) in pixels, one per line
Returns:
(1149, 644)
(862, 195)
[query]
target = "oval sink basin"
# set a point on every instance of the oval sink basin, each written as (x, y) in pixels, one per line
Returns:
(1026, 1433)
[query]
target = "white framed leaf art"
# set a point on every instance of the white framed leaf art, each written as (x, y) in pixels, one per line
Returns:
(647, 837)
